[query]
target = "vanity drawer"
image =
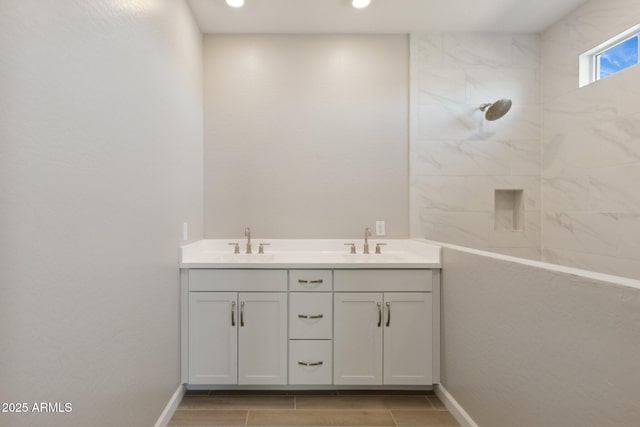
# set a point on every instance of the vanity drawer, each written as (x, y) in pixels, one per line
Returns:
(238, 280)
(310, 362)
(310, 315)
(383, 281)
(310, 280)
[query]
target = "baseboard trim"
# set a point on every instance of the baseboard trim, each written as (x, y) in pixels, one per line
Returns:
(454, 407)
(171, 407)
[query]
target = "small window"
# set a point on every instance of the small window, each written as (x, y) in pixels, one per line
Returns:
(610, 57)
(617, 58)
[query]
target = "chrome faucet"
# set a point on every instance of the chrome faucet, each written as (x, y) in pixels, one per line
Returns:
(247, 233)
(367, 234)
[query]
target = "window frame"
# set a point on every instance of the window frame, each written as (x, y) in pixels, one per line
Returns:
(589, 62)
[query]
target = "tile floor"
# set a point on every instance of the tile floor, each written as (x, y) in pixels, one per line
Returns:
(311, 410)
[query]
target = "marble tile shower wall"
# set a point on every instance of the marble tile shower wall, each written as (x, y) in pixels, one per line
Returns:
(458, 159)
(591, 147)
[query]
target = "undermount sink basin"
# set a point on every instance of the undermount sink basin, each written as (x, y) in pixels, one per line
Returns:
(305, 257)
(375, 257)
(231, 258)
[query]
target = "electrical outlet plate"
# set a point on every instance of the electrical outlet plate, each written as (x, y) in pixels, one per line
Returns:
(380, 228)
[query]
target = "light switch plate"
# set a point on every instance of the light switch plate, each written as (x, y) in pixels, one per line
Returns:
(380, 228)
(185, 231)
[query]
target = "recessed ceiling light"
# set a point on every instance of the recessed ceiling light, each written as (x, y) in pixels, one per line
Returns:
(360, 4)
(235, 3)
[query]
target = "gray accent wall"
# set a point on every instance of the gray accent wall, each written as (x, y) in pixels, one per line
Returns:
(100, 164)
(306, 136)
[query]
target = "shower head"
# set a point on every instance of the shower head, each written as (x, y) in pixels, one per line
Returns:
(496, 110)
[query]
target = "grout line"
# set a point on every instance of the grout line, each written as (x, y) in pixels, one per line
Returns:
(431, 405)
(393, 418)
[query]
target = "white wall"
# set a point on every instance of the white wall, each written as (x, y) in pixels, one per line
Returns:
(529, 347)
(305, 135)
(458, 159)
(100, 163)
(591, 144)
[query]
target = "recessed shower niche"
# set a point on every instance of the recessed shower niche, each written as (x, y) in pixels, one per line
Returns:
(509, 210)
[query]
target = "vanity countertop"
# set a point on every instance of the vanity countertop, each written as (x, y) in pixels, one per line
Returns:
(310, 253)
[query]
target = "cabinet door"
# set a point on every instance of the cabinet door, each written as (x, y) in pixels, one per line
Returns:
(357, 338)
(263, 338)
(213, 338)
(408, 352)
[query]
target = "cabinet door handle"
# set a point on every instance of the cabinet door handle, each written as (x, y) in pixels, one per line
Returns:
(311, 281)
(388, 313)
(379, 315)
(233, 313)
(242, 314)
(318, 363)
(313, 316)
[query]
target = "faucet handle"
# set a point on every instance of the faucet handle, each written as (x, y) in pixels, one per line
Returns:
(237, 248)
(353, 247)
(378, 247)
(247, 233)
(261, 247)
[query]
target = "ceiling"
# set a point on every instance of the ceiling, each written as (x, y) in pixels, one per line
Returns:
(382, 16)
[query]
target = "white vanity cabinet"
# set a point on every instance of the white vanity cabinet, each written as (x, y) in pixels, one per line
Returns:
(237, 337)
(383, 338)
(369, 327)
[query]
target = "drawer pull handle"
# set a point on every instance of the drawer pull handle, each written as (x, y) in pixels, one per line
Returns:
(311, 281)
(388, 313)
(314, 316)
(311, 363)
(242, 314)
(233, 313)
(379, 315)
